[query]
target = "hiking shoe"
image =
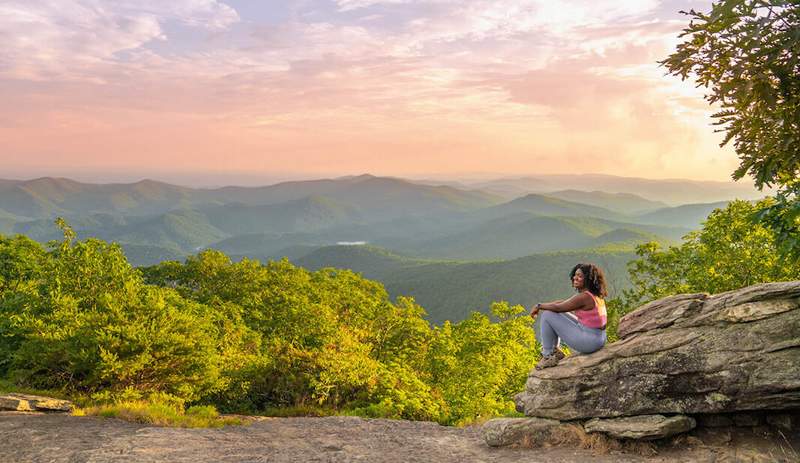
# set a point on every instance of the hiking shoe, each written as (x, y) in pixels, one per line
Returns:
(550, 360)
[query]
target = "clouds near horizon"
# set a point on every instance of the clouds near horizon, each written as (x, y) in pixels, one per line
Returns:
(340, 86)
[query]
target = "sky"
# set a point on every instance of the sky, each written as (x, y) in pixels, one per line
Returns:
(246, 90)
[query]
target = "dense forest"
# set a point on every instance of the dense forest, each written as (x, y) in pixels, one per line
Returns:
(251, 337)
(246, 337)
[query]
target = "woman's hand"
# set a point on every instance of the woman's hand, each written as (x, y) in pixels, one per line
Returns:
(535, 310)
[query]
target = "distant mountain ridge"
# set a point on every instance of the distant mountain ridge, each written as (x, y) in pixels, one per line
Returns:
(673, 192)
(625, 203)
(49, 197)
(157, 221)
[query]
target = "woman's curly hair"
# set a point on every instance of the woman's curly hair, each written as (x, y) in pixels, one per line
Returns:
(593, 277)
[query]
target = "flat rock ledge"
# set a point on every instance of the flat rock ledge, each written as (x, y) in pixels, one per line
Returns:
(529, 432)
(731, 359)
(683, 355)
(539, 432)
(32, 403)
(643, 427)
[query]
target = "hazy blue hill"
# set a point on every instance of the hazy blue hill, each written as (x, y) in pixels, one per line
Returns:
(509, 237)
(144, 255)
(86, 226)
(626, 239)
(7, 221)
(450, 290)
(48, 197)
(302, 215)
(268, 245)
(624, 203)
(381, 198)
(271, 194)
(689, 215)
(179, 231)
(671, 191)
(20, 200)
(546, 205)
(290, 252)
(524, 234)
(398, 197)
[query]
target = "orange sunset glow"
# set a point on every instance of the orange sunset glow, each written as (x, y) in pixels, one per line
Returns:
(242, 89)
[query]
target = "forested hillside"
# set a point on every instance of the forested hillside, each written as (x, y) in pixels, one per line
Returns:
(245, 337)
(452, 290)
(523, 234)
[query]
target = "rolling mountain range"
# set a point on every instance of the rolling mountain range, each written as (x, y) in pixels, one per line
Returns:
(452, 247)
(156, 221)
(672, 192)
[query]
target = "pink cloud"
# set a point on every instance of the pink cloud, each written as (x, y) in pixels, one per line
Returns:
(471, 85)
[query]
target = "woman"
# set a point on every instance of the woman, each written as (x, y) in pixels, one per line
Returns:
(579, 321)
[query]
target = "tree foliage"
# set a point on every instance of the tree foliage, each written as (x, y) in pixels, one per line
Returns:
(747, 54)
(246, 337)
(728, 253)
(79, 318)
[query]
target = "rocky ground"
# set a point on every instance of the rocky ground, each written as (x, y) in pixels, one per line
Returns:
(54, 438)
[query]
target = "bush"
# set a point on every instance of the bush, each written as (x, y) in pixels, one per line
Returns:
(91, 325)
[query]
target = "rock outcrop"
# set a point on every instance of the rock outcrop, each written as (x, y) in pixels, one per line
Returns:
(644, 427)
(27, 403)
(686, 354)
(715, 357)
(527, 431)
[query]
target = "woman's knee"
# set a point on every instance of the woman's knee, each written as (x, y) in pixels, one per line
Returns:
(547, 315)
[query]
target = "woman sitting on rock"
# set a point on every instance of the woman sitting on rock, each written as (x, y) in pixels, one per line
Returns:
(579, 321)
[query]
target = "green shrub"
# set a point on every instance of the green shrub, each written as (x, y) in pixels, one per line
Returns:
(91, 325)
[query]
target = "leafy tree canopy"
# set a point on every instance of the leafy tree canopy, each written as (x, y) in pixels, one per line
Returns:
(728, 253)
(745, 52)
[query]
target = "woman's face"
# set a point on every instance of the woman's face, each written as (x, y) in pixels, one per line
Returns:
(577, 279)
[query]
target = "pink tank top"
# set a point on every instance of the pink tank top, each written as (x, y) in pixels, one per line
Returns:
(594, 317)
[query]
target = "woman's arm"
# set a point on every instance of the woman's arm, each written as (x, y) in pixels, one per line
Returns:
(580, 301)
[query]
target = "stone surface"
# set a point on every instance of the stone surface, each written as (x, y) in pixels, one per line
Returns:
(61, 438)
(501, 432)
(27, 402)
(714, 420)
(14, 403)
(687, 354)
(643, 427)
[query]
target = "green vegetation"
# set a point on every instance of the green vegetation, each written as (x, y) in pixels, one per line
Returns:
(160, 414)
(242, 337)
(746, 53)
(175, 342)
(730, 252)
(451, 290)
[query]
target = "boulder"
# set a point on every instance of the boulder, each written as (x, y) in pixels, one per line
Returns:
(27, 402)
(687, 354)
(643, 427)
(531, 432)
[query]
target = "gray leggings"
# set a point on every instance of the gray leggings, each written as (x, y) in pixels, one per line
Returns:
(554, 327)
